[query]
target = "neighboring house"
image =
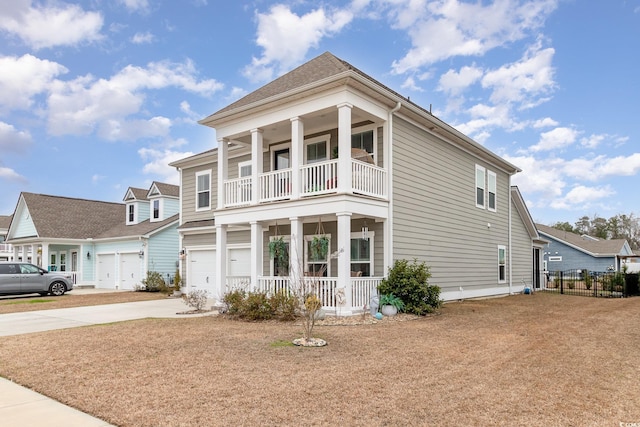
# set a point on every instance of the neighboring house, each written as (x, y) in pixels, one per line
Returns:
(105, 245)
(327, 150)
(571, 251)
(6, 251)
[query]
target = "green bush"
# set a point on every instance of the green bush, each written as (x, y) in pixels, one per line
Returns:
(284, 305)
(154, 282)
(235, 301)
(410, 283)
(256, 307)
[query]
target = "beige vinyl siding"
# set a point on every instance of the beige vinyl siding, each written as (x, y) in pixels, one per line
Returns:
(204, 239)
(435, 218)
(189, 212)
(522, 251)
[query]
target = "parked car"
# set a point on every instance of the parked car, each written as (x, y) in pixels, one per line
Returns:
(24, 278)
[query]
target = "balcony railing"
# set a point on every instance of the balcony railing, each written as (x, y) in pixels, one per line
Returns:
(6, 247)
(315, 179)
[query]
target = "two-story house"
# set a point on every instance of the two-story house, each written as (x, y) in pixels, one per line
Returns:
(6, 251)
(102, 244)
(327, 151)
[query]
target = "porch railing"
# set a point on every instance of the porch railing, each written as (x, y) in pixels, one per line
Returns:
(319, 178)
(275, 185)
(238, 283)
(325, 288)
(315, 179)
(237, 192)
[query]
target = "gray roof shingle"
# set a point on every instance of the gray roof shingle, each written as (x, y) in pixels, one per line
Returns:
(592, 245)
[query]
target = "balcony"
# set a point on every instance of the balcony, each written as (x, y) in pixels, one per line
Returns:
(315, 179)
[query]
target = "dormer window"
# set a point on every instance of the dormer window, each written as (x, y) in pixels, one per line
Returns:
(156, 209)
(131, 213)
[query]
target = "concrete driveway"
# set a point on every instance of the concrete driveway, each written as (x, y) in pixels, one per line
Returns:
(62, 318)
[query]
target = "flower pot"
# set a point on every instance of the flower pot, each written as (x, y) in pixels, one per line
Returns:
(388, 310)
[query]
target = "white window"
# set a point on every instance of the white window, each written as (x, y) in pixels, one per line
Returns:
(131, 215)
(491, 187)
(156, 209)
(362, 254)
(63, 261)
(366, 139)
(203, 190)
(244, 169)
(480, 186)
(317, 149)
(502, 264)
(555, 258)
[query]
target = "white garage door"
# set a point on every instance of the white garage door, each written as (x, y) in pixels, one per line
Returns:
(106, 271)
(129, 271)
(202, 271)
(239, 262)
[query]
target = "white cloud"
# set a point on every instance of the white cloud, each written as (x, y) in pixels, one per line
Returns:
(135, 5)
(447, 28)
(82, 105)
(157, 163)
(11, 175)
(453, 82)
(53, 24)
(11, 139)
(286, 37)
(581, 197)
(544, 177)
(592, 141)
(142, 38)
(544, 123)
(24, 77)
(523, 82)
(557, 138)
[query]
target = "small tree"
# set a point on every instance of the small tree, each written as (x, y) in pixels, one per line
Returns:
(154, 282)
(410, 283)
(177, 280)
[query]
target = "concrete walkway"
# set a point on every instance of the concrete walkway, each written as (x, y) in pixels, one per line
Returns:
(22, 407)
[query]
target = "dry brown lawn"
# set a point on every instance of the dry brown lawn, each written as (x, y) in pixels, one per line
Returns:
(15, 304)
(535, 360)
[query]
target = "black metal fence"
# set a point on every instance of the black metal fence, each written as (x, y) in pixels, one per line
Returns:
(610, 284)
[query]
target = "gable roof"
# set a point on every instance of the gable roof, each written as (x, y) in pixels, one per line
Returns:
(525, 215)
(144, 228)
(589, 244)
(163, 189)
(134, 193)
(326, 71)
(69, 218)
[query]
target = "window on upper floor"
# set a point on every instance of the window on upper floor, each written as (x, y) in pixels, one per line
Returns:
(317, 149)
(131, 213)
(365, 140)
(203, 190)
(486, 189)
(480, 186)
(244, 169)
(156, 209)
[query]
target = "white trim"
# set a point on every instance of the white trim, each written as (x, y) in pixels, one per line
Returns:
(198, 174)
(327, 261)
(242, 165)
(287, 239)
(491, 174)
(278, 147)
(371, 238)
(504, 279)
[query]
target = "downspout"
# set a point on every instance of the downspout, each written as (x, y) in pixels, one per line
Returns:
(510, 250)
(389, 243)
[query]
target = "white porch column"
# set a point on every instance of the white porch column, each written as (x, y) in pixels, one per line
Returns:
(297, 159)
(34, 254)
(296, 250)
(344, 260)
(16, 252)
(223, 170)
(256, 253)
(256, 164)
(386, 235)
(221, 264)
(44, 256)
(344, 148)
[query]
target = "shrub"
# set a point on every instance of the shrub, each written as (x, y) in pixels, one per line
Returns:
(410, 283)
(256, 307)
(196, 299)
(235, 301)
(154, 282)
(284, 305)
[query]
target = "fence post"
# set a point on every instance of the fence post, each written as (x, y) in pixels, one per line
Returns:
(562, 282)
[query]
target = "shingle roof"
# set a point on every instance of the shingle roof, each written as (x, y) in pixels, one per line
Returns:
(141, 229)
(589, 244)
(167, 189)
(69, 218)
(138, 193)
(5, 221)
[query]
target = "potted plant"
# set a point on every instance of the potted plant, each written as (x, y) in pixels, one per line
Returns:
(278, 249)
(390, 304)
(319, 247)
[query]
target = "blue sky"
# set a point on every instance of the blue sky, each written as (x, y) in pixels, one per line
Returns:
(101, 95)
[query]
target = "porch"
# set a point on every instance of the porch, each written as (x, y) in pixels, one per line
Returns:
(315, 179)
(327, 289)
